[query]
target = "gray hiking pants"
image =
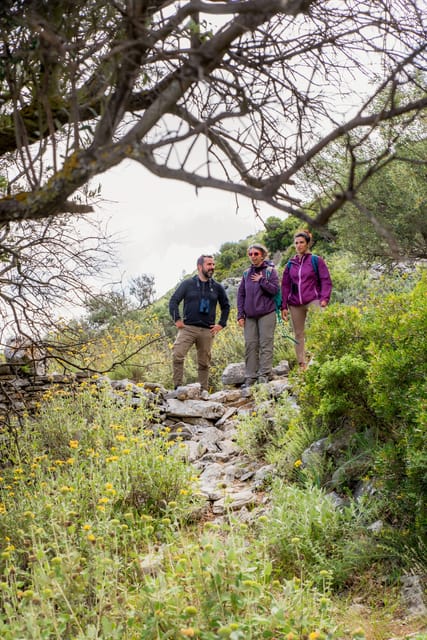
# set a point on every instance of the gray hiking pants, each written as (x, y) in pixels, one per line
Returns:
(259, 343)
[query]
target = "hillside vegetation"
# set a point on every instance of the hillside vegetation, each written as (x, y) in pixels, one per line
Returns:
(90, 498)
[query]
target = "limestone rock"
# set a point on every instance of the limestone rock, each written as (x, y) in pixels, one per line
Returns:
(194, 409)
(234, 373)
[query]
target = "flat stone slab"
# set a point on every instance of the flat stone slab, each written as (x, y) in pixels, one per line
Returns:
(234, 501)
(194, 409)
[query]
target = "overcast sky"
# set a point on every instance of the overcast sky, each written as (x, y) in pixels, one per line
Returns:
(164, 225)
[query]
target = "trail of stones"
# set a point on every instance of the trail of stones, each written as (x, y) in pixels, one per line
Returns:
(205, 429)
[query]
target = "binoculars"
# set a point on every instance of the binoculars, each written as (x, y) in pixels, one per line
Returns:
(204, 305)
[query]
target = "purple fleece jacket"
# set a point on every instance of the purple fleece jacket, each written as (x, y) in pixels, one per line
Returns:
(300, 284)
(256, 299)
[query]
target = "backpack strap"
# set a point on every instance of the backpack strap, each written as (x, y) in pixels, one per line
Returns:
(315, 264)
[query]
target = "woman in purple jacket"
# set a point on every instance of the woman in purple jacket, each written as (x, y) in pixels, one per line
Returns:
(256, 313)
(306, 284)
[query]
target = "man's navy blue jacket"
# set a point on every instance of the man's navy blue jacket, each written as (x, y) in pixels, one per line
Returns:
(192, 291)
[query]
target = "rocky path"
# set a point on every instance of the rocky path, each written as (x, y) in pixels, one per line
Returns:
(206, 428)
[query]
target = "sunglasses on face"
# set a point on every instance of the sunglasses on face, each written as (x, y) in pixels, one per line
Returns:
(254, 253)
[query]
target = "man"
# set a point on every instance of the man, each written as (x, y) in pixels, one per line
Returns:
(198, 325)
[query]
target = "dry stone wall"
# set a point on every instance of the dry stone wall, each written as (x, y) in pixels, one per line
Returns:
(19, 394)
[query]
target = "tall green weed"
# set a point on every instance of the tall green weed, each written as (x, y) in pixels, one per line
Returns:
(312, 539)
(263, 432)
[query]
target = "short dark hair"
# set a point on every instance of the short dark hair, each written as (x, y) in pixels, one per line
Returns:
(201, 259)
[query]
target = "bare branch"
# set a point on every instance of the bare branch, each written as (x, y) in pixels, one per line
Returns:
(240, 96)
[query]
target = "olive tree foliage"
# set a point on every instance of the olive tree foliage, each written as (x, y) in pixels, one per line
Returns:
(240, 96)
(115, 305)
(279, 234)
(391, 208)
(397, 196)
(142, 291)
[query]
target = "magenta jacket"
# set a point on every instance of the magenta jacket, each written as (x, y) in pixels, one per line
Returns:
(301, 285)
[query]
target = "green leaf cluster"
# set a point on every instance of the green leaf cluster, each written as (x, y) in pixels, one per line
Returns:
(368, 379)
(309, 536)
(396, 199)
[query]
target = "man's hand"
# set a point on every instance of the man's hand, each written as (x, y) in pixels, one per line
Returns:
(285, 315)
(179, 324)
(215, 328)
(241, 322)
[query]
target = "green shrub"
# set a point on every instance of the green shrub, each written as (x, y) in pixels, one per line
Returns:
(263, 432)
(335, 392)
(369, 373)
(336, 332)
(311, 539)
(398, 350)
(350, 280)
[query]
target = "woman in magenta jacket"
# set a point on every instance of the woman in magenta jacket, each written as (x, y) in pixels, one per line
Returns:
(305, 283)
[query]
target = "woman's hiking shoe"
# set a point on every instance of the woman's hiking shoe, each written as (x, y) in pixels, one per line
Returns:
(249, 382)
